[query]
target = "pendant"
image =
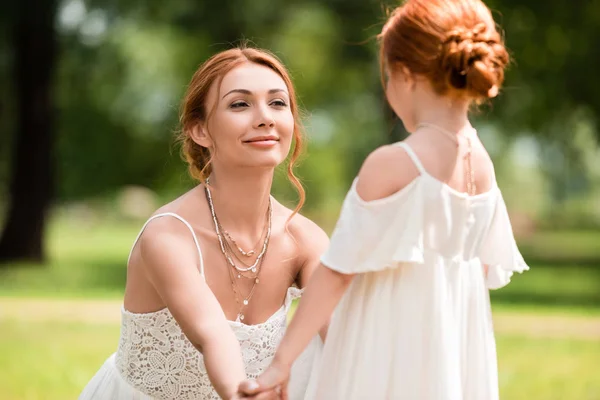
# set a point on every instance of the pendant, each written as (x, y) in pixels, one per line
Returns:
(256, 280)
(239, 276)
(245, 302)
(241, 316)
(254, 269)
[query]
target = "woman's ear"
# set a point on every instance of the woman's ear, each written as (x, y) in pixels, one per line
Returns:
(408, 77)
(200, 135)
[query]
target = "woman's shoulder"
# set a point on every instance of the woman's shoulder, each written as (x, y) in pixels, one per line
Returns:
(169, 230)
(297, 223)
(307, 234)
(308, 242)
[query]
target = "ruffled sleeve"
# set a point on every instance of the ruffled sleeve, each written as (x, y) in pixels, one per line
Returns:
(375, 235)
(499, 249)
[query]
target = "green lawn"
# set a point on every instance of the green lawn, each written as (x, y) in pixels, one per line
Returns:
(85, 261)
(54, 360)
(565, 285)
(89, 261)
(557, 247)
(548, 369)
(51, 360)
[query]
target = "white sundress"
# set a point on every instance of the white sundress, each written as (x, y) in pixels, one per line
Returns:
(416, 323)
(154, 359)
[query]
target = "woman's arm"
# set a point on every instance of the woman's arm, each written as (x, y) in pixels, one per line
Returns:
(313, 242)
(170, 260)
(322, 294)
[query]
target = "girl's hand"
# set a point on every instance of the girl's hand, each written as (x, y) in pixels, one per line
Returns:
(272, 384)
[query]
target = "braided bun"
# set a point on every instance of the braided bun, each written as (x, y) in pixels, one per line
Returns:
(454, 44)
(473, 60)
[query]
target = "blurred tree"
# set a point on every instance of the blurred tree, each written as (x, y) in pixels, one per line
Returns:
(123, 68)
(31, 173)
(550, 88)
(555, 50)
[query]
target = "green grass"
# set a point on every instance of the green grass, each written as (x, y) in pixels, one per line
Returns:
(54, 360)
(87, 261)
(557, 247)
(546, 309)
(51, 360)
(548, 369)
(566, 285)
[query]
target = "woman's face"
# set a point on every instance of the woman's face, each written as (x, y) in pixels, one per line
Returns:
(252, 125)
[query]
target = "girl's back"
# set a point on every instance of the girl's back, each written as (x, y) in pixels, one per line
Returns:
(448, 157)
(416, 322)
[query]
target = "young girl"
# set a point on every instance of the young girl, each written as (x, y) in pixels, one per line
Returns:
(423, 233)
(211, 276)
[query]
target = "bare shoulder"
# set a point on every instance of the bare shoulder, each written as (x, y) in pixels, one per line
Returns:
(309, 236)
(169, 228)
(310, 242)
(385, 171)
(166, 240)
(308, 232)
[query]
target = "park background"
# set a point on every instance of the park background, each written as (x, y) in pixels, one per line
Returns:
(89, 98)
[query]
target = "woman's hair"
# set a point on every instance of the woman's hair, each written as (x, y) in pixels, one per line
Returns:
(194, 109)
(454, 43)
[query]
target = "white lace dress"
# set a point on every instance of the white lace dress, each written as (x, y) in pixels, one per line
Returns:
(154, 359)
(416, 323)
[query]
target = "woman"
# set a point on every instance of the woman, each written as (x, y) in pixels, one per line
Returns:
(423, 233)
(211, 275)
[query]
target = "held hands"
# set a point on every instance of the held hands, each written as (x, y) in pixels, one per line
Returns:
(271, 385)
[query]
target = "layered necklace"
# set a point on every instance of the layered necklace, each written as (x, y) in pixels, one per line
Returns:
(469, 172)
(238, 264)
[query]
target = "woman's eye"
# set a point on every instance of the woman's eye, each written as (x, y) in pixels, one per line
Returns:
(239, 104)
(279, 103)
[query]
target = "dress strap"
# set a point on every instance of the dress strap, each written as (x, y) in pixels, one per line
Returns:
(170, 214)
(413, 156)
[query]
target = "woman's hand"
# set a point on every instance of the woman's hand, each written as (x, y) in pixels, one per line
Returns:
(271, 384)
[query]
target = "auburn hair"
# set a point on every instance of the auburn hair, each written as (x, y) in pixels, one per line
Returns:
(454, 43)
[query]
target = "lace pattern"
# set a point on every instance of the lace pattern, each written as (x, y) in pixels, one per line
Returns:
(155, 357)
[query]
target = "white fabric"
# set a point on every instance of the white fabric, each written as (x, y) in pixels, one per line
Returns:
(154, 359)
(416, 321)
